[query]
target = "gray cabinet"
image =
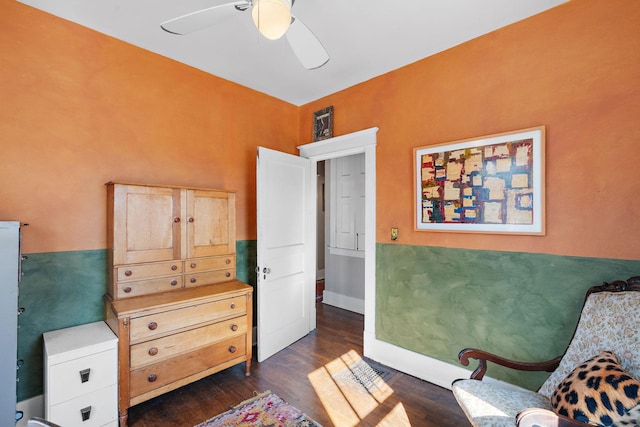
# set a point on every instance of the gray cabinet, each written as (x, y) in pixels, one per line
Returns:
(9, 277)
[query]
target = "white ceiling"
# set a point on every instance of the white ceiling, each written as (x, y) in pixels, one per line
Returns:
(365, 38)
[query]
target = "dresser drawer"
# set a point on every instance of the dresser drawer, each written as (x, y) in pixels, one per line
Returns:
(144, 271)
(66, 379)
(160, 349)
(209, 277)
(149, 286)
(194, 265)
(95, 409)
(160, 324)
(160, 374)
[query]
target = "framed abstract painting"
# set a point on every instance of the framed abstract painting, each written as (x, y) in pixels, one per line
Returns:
(489, 184)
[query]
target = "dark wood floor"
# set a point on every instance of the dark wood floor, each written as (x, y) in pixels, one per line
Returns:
(301, 375)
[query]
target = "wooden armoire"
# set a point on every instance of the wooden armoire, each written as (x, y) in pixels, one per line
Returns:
(172, 296)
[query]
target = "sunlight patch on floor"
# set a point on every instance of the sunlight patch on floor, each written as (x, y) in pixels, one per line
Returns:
(350, 390)
(397, 417)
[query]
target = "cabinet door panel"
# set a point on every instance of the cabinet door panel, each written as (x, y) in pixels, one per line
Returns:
(210, 223)
(146, 224)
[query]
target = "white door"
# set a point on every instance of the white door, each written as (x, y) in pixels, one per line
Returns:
(285, 250)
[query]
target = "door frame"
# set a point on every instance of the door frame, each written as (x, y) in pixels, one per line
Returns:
(363, 141)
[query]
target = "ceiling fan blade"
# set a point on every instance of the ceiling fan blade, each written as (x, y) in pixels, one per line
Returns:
(203, 18)
(306, 45)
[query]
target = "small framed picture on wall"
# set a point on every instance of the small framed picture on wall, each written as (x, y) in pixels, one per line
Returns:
(323, 124)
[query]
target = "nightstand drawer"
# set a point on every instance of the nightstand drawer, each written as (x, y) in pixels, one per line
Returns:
(82, 376)
(156, 325)
(167, 347)
(95, 409)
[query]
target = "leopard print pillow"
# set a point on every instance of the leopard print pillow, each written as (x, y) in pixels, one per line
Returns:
(600, 393)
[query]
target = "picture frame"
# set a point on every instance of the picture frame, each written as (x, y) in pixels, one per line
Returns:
(489, 184)
(323, 124)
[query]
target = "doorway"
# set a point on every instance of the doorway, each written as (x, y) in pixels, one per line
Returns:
(342, 240)
(320, 229)
(355, 143)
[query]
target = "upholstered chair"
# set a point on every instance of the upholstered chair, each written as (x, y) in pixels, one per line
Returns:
(609, 321)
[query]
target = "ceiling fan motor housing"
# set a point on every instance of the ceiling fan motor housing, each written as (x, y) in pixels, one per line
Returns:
(272, 17)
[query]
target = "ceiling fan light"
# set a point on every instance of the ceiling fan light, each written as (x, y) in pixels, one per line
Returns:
(272, 17)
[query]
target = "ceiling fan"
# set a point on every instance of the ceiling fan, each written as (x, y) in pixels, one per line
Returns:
(273, 19)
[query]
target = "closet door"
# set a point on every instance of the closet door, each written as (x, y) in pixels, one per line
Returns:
(348, 208)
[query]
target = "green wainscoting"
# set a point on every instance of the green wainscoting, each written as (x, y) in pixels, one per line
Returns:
(57, 290)
(433, 301)
(246, 261)
(63, 289)
(437, 301)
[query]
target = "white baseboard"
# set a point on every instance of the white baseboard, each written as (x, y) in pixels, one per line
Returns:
(32, 407)
(342, 301)
(418, 365)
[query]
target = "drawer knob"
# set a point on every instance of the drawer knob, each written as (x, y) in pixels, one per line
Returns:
(174, 267)
(227, 274)
(176, 219)
(128, 273)
(227, 261)
(234, 327)
(193, 280)
(85, 413)
(152, 325)
(127, 289)
(152, 377)
(232, 349)
(193, 265)
(233, 305)
(153, 351)
(174, 282)
(191, 219)
(84, 375)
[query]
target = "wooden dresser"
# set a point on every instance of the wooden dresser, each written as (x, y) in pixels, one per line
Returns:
(172, 298)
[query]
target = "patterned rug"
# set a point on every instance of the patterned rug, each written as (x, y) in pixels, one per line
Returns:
(264, 410)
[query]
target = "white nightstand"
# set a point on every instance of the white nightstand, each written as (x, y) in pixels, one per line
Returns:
(81, 376)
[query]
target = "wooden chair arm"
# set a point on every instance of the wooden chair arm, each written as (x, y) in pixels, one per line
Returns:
(483, 357)
(537, 417)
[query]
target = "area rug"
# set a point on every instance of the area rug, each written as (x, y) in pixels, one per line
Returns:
(264, 410)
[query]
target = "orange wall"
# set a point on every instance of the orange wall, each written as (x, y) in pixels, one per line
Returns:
(574, 69)
(79, 109)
